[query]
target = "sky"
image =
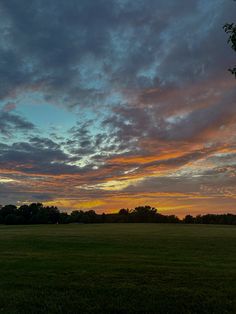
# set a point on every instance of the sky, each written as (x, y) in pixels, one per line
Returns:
(113, 104)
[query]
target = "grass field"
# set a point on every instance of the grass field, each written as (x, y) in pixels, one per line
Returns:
(118, 268)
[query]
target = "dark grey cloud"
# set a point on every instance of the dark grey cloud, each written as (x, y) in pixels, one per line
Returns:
(132, 123)
(21, 193)
(38, 156)
(85, 142)
(217, 181)
(199, 121)
(78, 52)
(12, 122)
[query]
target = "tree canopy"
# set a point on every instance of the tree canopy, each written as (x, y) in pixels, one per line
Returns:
(36, 213)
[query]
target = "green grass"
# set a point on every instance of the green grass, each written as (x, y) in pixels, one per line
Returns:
(118, 268)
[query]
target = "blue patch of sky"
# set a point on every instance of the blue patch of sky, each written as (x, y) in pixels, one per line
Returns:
(45, 116)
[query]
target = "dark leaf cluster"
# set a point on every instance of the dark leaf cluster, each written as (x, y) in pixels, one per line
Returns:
(230, 29)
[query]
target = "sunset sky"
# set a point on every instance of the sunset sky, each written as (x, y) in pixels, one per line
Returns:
(107, 104)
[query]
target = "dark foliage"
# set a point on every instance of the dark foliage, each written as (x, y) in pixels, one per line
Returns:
(36, 213)
(224, 219)
(230, 29)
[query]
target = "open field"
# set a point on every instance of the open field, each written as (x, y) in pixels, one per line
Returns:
(118, 268)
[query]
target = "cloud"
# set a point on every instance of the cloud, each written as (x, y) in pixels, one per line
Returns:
(38, 156)
(9, 107)
(172, 115)
(79, 53)
(11, 122)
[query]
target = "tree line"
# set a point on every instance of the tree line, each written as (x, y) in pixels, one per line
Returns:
(36, 213)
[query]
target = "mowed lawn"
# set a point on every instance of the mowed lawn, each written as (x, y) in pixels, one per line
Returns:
(118, 268)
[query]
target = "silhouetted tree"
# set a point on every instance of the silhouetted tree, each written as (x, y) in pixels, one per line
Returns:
(76, 216)
(8, 210)
(144, 214)
(64, 218)
(36, 213)
(230, 29)
(188, 219)
(30, 212)
(48, 215)
(124, 215)
(13, 219)
(173, 219)
(124, 211)
(90, 217)
(103, 218)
